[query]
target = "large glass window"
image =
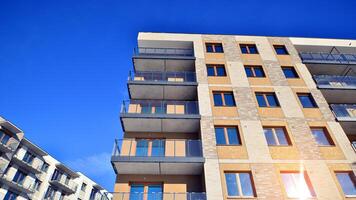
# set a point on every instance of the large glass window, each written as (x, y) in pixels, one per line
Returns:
(297, 185)
(268, 99)
(50, 192)
(347, 182)
(254, 71)
(4, 137)
(239, 184)
(290, 72)
(214, 48)
(10, 195)
(223, 99)
(28, 157)
(227, 136)
(147, 147)
(322, 137)
(248, 49)
(136, 191)
(216, 70)
(155, 192)
(276, 136)
(280, 49)
(307, 100)
(19, 177)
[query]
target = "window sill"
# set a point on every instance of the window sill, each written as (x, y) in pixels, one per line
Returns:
(225, 106)
(229, 145)
(240, 197)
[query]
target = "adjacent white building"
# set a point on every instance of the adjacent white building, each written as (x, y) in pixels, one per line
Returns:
(28, 172)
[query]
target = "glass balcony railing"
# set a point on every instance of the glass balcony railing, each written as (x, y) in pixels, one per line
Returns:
(329, 58)
(148, 107)
(158, 196)
(157, 148)
(162, 76)
(151, 51)
(344, 111)
(326, 81)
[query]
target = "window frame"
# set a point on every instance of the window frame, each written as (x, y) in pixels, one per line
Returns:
(315, 105)
(239, 185)
(226, 136)
(306, 180)
(275, 46)
(326, 134)
(252, 68)
(264, 95)
(352, 177)
(4, 135)
(293, 70)
(213, 46)
(215, 68)
(149, 149)
(222, 96)
(275, 137)
(248, 46)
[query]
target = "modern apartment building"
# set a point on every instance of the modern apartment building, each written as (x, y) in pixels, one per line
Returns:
(29, 172)
(234, 117)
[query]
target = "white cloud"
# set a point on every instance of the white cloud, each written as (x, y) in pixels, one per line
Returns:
(93, 165)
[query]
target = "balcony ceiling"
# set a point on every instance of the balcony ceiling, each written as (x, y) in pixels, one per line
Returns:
(342, 96)
(330, 69)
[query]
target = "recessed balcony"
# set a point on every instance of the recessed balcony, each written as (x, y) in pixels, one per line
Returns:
(327, 58)
(158, 156)
(7, 142)
(29, 166)
(160, 116)
(162, 85)
(159, 196)
(25, 186)
(65, 184)
(337, 89)
(346, 115)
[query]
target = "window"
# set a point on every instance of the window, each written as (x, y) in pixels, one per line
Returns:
(267, 99)
(322, 137)
(84, 186)
(248, 49)
(214, 48)
(227, 136)
(347, 181)
(19, 177)
(4, 137)
(10, 195)
(289, 72)
(93, 193)
(147, 147)
(45, 167)
(216, 70)
(28, 157)
(223, 99)
(280, 49)
(276, 136)
(307, 100)
(57, 175)
(50, 193)
(254, 71)
(37, 184)
(154, 191)
(297, 185)
(239, 184)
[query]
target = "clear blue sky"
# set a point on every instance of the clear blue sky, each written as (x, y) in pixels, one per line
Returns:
(64, 64)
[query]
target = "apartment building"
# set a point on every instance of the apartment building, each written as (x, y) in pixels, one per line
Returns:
(29, 172)
(234, 117)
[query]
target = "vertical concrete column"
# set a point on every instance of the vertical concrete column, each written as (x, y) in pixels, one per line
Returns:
(288, 102)
(322, 104)
(245, 102)
(343, 141)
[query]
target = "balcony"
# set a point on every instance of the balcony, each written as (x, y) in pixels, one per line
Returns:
(65, 184)
(5, 147)
(7, 143)
(164, 59)
(157, 156)
(159, 196)
(3, 164)
(32, 167)
(346, 115)
(160, 116)
(337, 89)
(162, 85)
(328, 58)
(22, 187)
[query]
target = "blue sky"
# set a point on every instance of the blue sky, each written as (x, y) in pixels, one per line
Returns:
(64, 64)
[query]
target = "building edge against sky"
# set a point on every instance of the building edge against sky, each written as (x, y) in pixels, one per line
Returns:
(29, 172)
(223, 116)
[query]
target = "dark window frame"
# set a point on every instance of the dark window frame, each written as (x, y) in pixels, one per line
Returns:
(222, 96)
(311, 98)
(286, 135)
(264, 95)
(226, 136)
(215, 68)
(252, 182)
(248, 48)
(214, 46)
(326, 134)
(352, 177)
(253, 70)
(294, 71)
(281, 46)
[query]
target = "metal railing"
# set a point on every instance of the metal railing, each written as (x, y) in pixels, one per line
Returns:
(328, 58)
(152, 51)
(162, 76)
(65, 182)
(158, 196)
(157, 148)
(344, 111)
(155, 107)
(336, 81)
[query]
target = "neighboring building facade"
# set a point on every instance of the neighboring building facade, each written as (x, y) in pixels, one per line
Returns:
(234, 117)
(28, 172)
